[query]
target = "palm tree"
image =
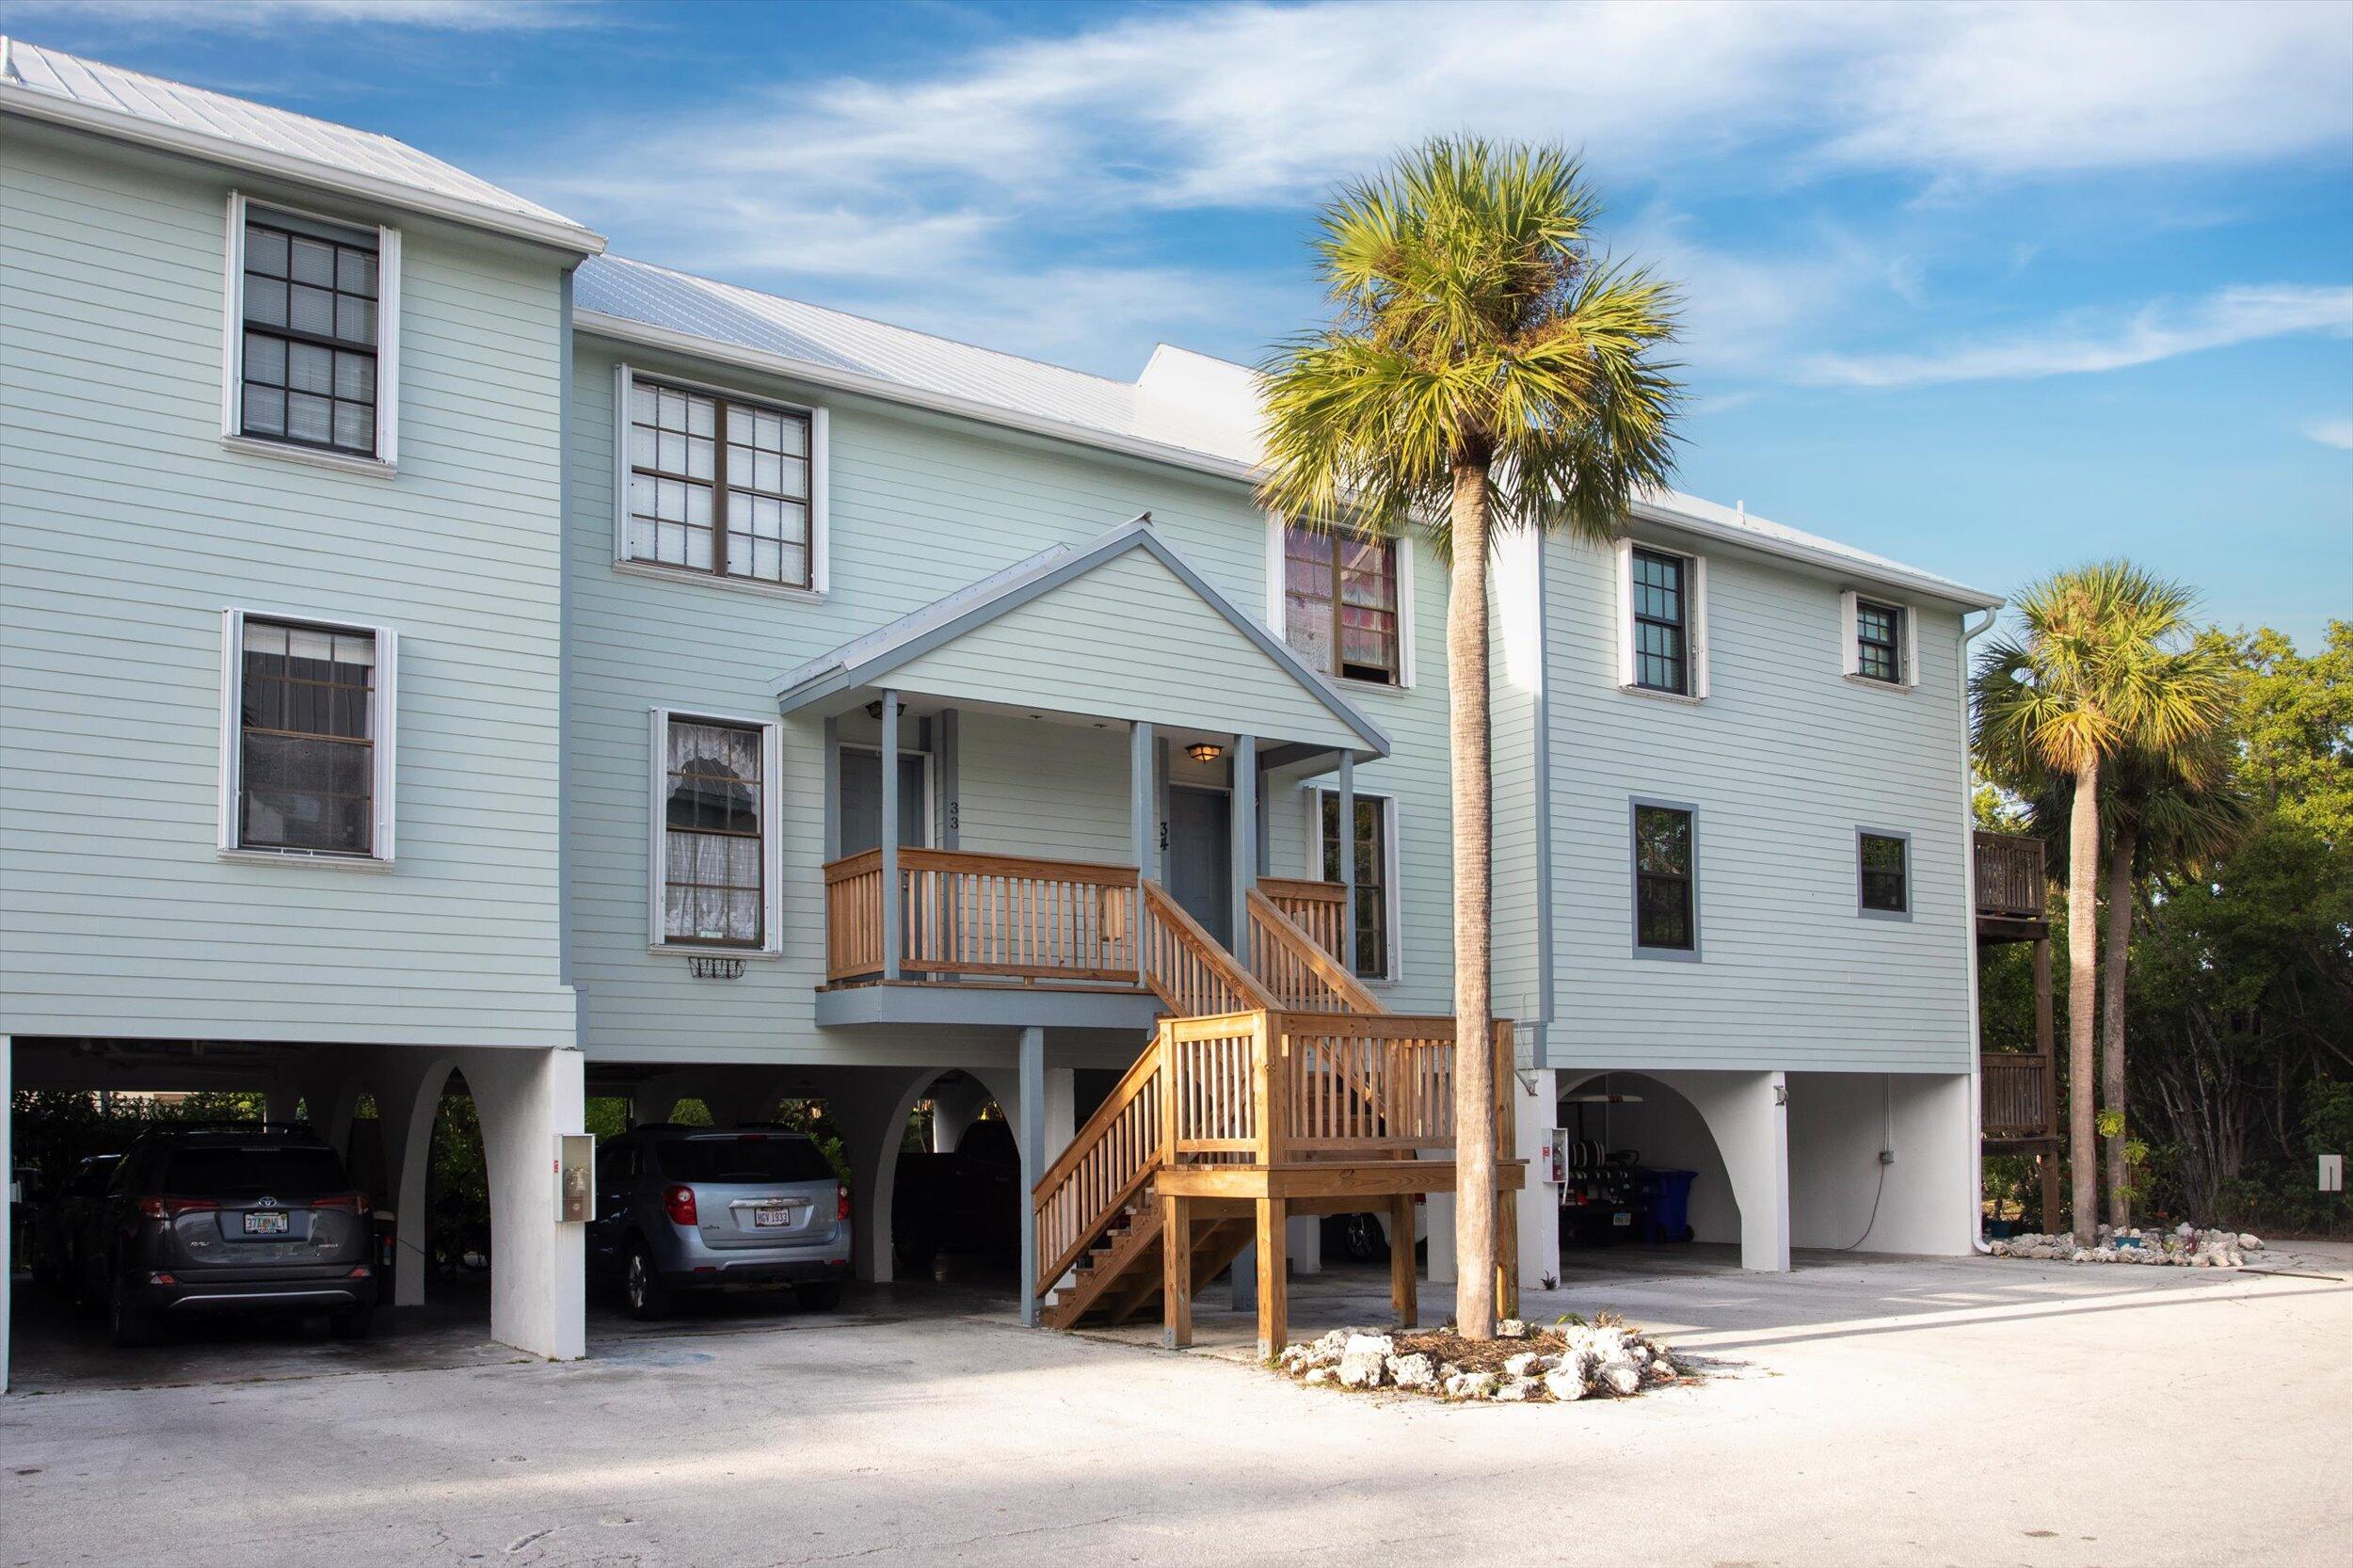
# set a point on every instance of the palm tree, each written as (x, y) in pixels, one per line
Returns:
(2100, 670)
(1486, 371)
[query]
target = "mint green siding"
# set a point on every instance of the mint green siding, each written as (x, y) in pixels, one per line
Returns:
(126, 529)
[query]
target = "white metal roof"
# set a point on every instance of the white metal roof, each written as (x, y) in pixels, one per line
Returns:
(48, 84)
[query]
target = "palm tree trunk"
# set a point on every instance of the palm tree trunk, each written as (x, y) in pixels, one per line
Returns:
(1474, 1054)
(2119, 938)
(2083, 948)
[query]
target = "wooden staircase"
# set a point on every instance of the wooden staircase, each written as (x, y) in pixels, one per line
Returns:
(1275, 1087)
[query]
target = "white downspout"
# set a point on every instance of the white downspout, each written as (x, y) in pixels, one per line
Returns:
(1970, 631)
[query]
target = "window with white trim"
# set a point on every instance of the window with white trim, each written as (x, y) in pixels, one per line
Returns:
(714, 833)
(1882, 643)
(1663, 621)
(313, 315)
(1340, 604)
(1373, 842)
(307, 738)
(717, 483)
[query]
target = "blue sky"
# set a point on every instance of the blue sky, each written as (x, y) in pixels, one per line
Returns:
(1989, 289)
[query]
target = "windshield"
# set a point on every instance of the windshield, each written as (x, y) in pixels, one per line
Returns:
(273, 1169)
(745, 1157)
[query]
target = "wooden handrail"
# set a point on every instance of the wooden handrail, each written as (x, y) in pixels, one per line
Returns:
(961, 912)
(2009, 875)
(2018, 1095)
(1297, 970)
(983, 864)
(1107, 1164)
(1189, 968)
(1318, 908)
(1300, 889)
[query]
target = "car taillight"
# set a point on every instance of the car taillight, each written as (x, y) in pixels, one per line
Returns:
(350, 1203)
(841, 1202)
(171, 1209)
(678, 1203)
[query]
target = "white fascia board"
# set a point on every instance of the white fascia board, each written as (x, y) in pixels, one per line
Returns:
(114, 123)
(623, 329)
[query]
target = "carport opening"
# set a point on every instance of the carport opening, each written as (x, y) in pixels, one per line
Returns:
(1642, 1168)
(957, 1206)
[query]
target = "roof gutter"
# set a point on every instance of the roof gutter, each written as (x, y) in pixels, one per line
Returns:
(33, 105)
(1844, 566)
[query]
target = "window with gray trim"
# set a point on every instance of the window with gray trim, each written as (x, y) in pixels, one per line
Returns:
(310, 298)
(1664, 917)
(1884, 862)
(1879, 635)
(1661, 622)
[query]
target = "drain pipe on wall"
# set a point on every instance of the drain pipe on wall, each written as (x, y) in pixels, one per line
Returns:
(1971, 630)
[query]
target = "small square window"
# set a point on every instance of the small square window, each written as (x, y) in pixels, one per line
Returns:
(1879, 631)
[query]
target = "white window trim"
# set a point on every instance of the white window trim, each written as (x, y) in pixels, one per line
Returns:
(1388, 848)
(820, 489)
(1695, 623)
(386, 462)
(1278, 610)
(1850, 649)
(771, 838)
(382, 727)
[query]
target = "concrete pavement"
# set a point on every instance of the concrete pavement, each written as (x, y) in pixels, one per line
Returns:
(1858, 1411)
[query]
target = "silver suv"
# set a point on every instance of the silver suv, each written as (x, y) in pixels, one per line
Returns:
(700, 1209)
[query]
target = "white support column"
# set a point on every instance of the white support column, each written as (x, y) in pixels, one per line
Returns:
(7, 1174)
(1031, 1138)
(537, 1269)
(894, 934)
(1540, 1200)
(1304, 1233)
(1438, 1216)
(1749, 1115)
(1244, 819)
(407, 1084)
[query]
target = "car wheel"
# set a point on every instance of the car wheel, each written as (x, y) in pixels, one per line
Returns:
(352, 1322)
(819, 1298)
(128, 1324)
(642, 1288)
(1361, 1235)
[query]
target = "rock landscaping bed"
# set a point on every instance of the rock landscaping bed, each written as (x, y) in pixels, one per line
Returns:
(2183, 1247)
(1522, 1364)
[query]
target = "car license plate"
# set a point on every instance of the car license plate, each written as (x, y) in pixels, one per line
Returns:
(1622, 1218)
(264, 1221)
(772, 1214)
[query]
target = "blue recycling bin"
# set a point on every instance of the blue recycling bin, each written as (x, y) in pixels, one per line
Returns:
(1669, 1208)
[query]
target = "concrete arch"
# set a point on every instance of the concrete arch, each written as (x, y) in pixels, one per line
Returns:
(1740, 1121)
(408, 1087)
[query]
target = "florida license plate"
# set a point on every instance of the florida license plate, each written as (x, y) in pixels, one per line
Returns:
(264, 1221)
(771, 1215)
(1622, 1218)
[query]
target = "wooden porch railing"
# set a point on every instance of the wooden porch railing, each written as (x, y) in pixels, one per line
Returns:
(1318, 908)
(1103, 1170)
(1302, 973)
(2018, 1095)
(2009, 875)
(1189, 968)
(1003, 915)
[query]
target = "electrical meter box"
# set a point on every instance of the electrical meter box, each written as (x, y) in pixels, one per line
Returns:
(575, 1177)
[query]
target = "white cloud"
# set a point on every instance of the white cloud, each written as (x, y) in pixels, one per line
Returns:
(2244, 313)
(2331, 432)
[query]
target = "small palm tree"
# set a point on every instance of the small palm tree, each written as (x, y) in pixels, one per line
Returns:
(1486, 372)
(2100, 671)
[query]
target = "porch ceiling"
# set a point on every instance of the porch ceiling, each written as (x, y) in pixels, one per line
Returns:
(1120, 629)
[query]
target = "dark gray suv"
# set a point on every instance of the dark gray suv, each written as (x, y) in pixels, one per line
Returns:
(229, 1217)
(695, 1209)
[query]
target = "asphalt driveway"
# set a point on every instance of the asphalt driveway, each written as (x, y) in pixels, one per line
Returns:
(1922, 1412)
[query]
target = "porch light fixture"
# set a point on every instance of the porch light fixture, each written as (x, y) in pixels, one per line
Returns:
(1201, 751)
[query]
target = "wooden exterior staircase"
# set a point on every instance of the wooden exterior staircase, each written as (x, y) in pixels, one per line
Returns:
(1278, 1087)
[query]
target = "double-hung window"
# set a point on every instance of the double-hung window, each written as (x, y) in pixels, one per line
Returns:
(313, 318)
(1666, 880)
(715, 845)
(1883, 868)
(1341, 604)
(1372, 843)
(722, 484)
(1663, 621)
(307, 738)
(1882, 641)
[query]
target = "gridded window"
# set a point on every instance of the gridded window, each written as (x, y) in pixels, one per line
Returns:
(753, 521)
(1885, 860)
(1339, 603)
(1661, 622)
(713, 866)
(310, 357)
(1371, 848)
(1879, 635)
(1663, 916)
(306, 739)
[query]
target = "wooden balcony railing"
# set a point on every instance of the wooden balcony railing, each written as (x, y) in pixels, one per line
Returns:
(2019, 1096)
(1302, 973)
(1000, 915)
(1318, 908)
(1187, 968)
(2009, 875)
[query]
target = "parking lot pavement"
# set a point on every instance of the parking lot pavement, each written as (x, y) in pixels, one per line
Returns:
(1857, 1411)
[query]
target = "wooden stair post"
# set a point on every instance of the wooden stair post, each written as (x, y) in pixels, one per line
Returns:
(1270, 1075)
